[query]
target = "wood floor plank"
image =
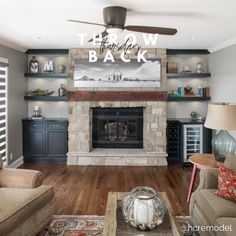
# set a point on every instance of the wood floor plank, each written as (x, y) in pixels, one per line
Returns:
(84, 189)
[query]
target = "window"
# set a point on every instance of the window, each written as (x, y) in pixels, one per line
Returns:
(3, 109)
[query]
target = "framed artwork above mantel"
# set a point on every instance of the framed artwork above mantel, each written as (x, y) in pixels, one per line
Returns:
(117, 74)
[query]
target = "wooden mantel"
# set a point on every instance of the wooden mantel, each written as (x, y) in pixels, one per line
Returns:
(117, 96)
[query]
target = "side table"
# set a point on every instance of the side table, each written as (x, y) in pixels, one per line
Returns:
(201, 161)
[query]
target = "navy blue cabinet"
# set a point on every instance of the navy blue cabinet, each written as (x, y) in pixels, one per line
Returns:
(45, 141)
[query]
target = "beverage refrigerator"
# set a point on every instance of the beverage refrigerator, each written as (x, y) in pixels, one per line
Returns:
(192, 141)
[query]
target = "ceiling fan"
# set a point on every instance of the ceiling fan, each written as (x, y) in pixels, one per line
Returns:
(114, 22)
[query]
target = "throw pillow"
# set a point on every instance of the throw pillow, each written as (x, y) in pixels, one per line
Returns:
(226, 183)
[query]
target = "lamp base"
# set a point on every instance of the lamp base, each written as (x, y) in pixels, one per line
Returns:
(222, 144)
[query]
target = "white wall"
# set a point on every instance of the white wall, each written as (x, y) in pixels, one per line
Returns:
(184, 109)
(223, 82)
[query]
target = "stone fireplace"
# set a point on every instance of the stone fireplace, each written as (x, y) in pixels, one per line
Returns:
(82, 104)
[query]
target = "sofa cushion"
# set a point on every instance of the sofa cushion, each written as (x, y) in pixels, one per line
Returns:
(212, 206)
(230, 223)
(18, 204)
(226, 183)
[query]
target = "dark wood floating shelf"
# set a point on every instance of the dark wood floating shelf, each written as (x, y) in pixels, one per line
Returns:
(186, 51)
(48, 51)
(193, 98)
(46, 75)
(187, 75)
(46, 98)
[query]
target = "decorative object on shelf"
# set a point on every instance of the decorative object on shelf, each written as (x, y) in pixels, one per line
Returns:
(222, 116)
(200, 91)
(143, 208)
(61, 91)
(61, 68)
(48, 66)
(39, 92)
(199, 68)
(34, 65)
(186, 69)
(174, 93)
(188, 91)
(206, 92)
(36, 114)
(172, 67)
(199, 116)
(181, 91)
(194, 115)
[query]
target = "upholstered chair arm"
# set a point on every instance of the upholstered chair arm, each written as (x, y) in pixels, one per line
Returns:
(19, 178)
(208, 179)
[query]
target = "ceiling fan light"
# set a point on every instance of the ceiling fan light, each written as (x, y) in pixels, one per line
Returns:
(114, 30)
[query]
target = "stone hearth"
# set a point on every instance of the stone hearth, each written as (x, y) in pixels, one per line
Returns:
(118, 157)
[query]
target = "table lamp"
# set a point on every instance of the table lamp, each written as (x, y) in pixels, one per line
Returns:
(222, 116)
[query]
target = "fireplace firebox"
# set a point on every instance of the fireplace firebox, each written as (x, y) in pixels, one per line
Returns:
(117, 127)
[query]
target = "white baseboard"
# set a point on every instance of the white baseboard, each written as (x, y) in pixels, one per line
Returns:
(16, 163)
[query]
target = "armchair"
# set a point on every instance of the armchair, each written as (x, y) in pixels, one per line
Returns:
(26, 206)
(208, 209)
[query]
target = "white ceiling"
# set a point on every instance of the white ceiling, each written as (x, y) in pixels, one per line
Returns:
(43, 23)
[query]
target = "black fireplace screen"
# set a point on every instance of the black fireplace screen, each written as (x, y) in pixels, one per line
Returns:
(117, 127)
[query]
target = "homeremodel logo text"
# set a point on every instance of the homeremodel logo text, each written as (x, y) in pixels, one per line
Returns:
(209, 228)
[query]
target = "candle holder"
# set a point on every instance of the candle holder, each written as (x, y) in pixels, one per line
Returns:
(143, 208)
(36, 114)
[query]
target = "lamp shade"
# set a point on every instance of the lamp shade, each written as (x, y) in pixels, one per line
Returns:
(221, 116)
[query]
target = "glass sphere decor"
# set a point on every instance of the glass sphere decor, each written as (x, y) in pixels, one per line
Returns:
(143, 208)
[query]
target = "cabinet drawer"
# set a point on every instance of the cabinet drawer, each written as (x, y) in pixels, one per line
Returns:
(34, 125)
(57, 125)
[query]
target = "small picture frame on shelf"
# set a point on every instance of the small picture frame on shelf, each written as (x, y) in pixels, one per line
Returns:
(61, 68)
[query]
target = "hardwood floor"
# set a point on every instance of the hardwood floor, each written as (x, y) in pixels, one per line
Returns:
(83, 189)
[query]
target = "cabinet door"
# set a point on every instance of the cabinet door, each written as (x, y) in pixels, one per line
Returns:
(173, 142)
(193, 140)
(56, 145)
(33, 144)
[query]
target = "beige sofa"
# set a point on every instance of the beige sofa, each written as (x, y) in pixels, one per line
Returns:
(26, 207)
(206, 208)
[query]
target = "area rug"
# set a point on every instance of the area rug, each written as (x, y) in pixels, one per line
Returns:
(69, 225)
(75, 225)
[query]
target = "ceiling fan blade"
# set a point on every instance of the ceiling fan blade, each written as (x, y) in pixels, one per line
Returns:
(85, 22)
(151, 30)
(104, 34)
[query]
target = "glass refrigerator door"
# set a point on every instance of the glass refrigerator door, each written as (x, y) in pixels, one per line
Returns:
(193, 140)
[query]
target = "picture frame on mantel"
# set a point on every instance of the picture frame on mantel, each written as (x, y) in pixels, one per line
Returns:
(117, 74)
